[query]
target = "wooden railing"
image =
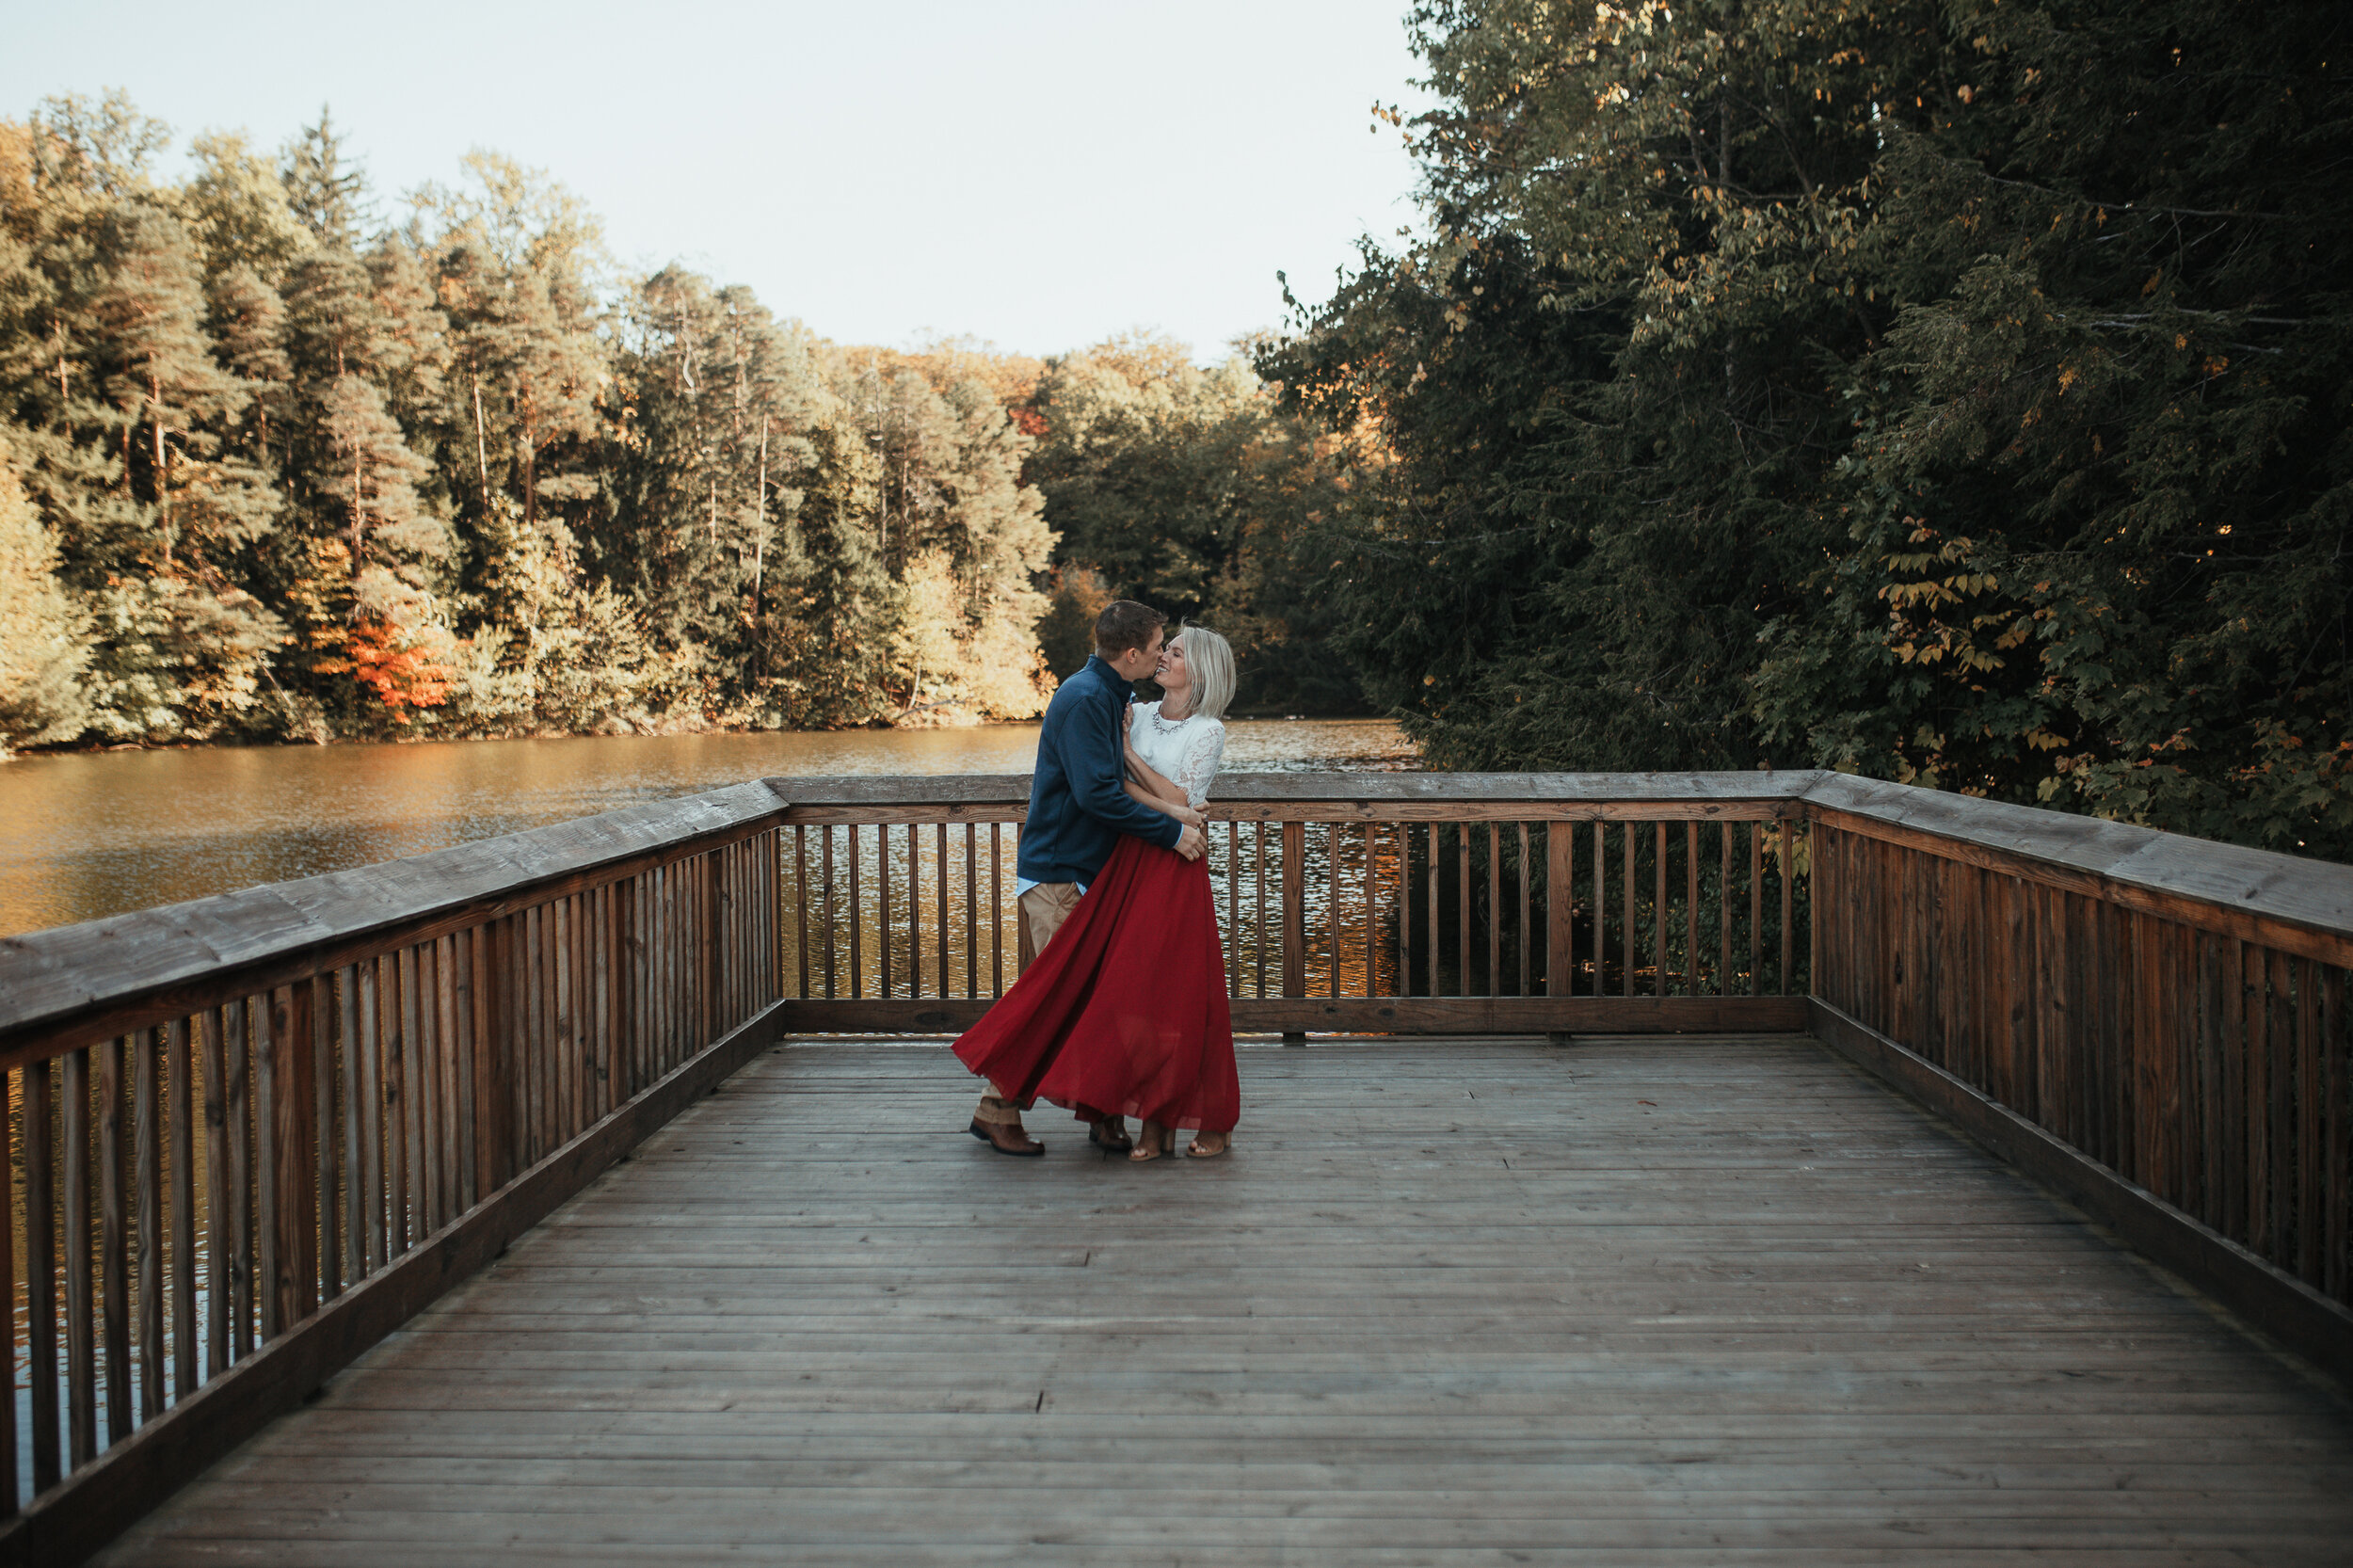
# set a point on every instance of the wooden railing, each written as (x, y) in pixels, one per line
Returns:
(2169, 1011)
(252, 1135)
(1414, 903)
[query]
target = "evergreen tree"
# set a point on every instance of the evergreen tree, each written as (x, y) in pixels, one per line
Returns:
(43, 632)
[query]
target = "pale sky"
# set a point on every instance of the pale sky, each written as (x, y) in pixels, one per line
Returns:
(1033, 172)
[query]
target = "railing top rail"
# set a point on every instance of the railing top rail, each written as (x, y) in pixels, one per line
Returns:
(1330, 784)
(50, 976)
(2169, 873)
(104, 966)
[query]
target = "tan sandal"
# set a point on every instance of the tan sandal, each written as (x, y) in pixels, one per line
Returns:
(1194, 1151)
(1152, 1141)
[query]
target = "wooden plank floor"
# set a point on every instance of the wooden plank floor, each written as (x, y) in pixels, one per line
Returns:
(1449, 1302)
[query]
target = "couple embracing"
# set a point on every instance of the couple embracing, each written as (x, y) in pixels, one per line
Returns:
(1120, 1008)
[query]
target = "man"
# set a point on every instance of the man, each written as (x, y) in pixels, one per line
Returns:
(1078, 806)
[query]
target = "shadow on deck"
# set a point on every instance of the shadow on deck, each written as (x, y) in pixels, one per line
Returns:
(1727, 1300)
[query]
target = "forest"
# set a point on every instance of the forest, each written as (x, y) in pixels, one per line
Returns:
(1955, 392)
(1947, 391)
(282, 459)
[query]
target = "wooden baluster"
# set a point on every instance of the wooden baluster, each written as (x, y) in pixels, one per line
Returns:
(563, 915)
(711, 916)
(1373, 914)
(40, 1272)
(628, 972)
(1435, 925)
(529, 1017)
(826, 910)
(417, 1077)
(1723, 912)
(449, 1078)
(147, 1164)
(939, 857)
(1404, 909)
(1658, 910)
(1494, 909)
(1257, 932)
(1462, 908)
(972, 911)
(915, 910)
(2337, 1132)
(1785, 837)
(857, 915)
(8, 1294)
(608, 999)
(180, 1118)
(243, 1017)
(800, 903)
(996, 910)
(1528, 894)
(490, 1012)
(431, 1086)
(355, 1124)
(1559, 908)
(1294, 909)
(2279, 1029)
(81, 1316)
(548, 1083)
(299, 1208)
(1633, 923)
(221, 1196)
(392, 1066)
(368, 1068)
(1601, 907)
(1692, 907)
(2309, 1164)
(1332, 920)
(1757, 907)
(882, 944)
(1234, 909)
(114, 1241)
(326, 1247)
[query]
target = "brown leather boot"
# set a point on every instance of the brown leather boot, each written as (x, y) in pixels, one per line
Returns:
(997, 1124)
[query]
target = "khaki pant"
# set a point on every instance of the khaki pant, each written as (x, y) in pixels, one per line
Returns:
(1044, 908)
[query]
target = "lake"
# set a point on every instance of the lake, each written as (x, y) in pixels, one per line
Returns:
(88, 834)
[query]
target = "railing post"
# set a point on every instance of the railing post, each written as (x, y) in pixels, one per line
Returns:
(1294, 919)
(1559, 927)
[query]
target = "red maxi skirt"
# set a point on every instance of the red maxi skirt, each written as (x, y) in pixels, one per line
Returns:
(1125, 1012)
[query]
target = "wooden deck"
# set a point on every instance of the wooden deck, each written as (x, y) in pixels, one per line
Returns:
(1450, 1301)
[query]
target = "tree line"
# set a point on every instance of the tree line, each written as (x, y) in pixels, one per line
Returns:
(1947, 391)
(277, 466)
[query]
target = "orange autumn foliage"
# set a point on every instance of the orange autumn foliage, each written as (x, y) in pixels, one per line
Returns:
(400, 677)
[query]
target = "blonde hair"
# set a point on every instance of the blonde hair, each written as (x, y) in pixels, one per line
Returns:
(1209, 660)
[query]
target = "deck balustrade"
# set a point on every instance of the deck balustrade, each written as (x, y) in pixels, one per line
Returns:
(252, 1134)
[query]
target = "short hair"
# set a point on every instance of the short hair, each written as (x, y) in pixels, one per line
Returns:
(1209, 660)
(1125, 624)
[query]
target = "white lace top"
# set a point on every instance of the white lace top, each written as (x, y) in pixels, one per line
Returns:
(1185, 752)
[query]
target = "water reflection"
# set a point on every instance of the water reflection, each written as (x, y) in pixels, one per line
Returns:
(95, 834)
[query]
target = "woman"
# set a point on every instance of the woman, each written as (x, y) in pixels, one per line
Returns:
(1127, 1006)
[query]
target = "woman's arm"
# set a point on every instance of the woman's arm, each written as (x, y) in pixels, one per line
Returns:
(1176, 809)
(1158, 792)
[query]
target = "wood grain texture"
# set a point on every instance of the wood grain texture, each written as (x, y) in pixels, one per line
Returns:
(1731, 1303)
(2272, 1299)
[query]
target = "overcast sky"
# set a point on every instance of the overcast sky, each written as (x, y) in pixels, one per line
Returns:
(1036, 174)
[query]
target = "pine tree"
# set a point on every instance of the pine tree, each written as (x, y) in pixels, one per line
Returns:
(43, 632)
(168, 390)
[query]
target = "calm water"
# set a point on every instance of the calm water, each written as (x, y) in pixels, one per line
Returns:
(89, 835)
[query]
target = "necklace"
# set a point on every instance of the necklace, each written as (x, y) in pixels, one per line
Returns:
(1168, 727)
